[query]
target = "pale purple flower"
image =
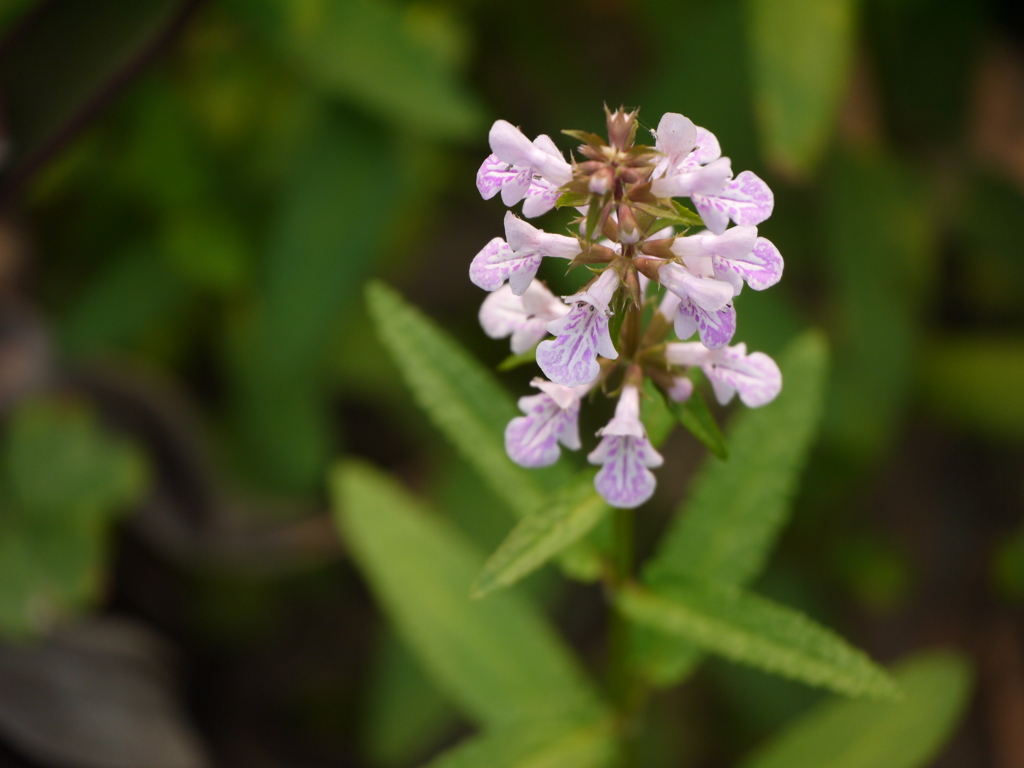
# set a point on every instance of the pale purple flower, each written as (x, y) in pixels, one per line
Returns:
(521, 169)
(582, 335)
(550, 418)
(705, 305)
(755, 377)
(524, 318)
(518, 259)
(625, 480)
(737, 255)
(692, 167)
(747, 200)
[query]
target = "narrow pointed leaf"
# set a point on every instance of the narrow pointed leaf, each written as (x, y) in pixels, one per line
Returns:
(498, 660)
(572, 200)
(729, 524)
(572, 514)
(801, 52)
(869, 734)
(696, 417)
(538, 745)
(748, 629)
(461, 397)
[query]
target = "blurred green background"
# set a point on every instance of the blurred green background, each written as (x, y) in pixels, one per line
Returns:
(193, 194)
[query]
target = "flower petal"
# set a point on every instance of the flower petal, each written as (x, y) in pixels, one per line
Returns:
(532, 440)
(756, 376)
(624, 481)
(540, 198)
(571, 359)
(716, 329)
(761, 267)
(497, 263)
(746, 200)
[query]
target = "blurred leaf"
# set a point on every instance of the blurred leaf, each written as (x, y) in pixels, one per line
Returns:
(64, 58)
(696, 417)
(537, 745)
(865, 734)
(752, 630)
(1008, 566)
(365, 51)
(323, 241)
(61, 482)
(461, 397)
(571, 515)
(514, 361)
(497, 658)
(134, 296)
(735, 509)
(881, 275)
(800, 59)
(208, 248)
(976, 383)
(405, 715)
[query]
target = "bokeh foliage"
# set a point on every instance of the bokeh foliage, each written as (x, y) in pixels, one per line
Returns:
(205, 190)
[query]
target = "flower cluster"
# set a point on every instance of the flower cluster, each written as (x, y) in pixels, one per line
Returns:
(638, 241)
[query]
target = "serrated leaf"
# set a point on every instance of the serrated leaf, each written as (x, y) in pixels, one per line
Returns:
(538, 745)
(735, 510)
(498, 659)
(461, 397)
(748, 629)
(571, 515)
(800, 57)
(572, 200)
(866, 734)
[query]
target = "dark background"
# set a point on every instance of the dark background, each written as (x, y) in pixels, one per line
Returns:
(193, 195)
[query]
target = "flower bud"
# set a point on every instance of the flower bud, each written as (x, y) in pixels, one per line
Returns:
(601, 181)
(629, 232)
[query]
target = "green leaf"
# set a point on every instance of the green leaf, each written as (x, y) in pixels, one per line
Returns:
(745, 628)
(866, 734)
(696, 417)
(514, 361)
(572, 200)
(677, 215)
(498, 660)
(322, 242)
(535, 745)
(573, 512)
(801, 52)
(461, 397)
(62, 482)
(586, 137)
(372, 53)
(405, 715)
(729, 523)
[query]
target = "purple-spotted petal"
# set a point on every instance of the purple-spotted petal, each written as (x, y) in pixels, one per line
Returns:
(492, 176)
(524, 318)
(532, 440)
(540, 198)
(571, 359)
(515, 187)
(705, 292)
(747, 200)
(707, 150)
(497, 262)
(755, 377)
(761, 267)
(716, 328)
(624, 480)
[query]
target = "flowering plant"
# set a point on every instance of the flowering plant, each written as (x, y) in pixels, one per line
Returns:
(636, 238)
